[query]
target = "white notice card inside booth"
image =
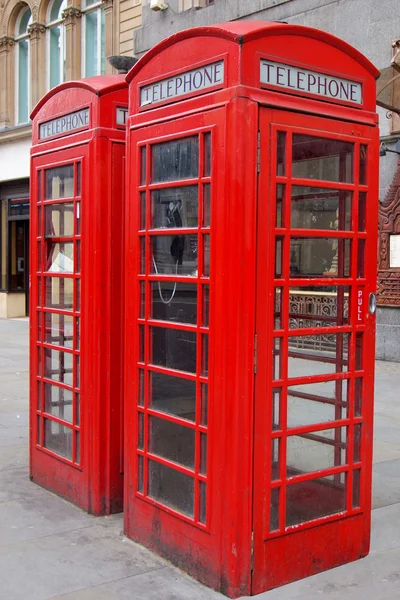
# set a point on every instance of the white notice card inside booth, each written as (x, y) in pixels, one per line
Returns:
(395, 251)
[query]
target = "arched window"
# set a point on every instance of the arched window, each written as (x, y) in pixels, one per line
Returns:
(93, 42)
(55, 43)
(22, 88)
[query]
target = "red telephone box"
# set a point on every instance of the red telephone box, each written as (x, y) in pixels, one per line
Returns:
(77, 228)
(250, 273)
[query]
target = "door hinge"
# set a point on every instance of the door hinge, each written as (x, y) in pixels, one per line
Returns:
(252, 552)
(258, 151)
(255, 357)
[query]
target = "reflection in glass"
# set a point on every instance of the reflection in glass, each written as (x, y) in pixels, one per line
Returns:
(311, 452)
(59, 329)
(316, 306)
(175, 207)
(174, 301)
(318, 354)
(58, 402)
(172, 488)
(320, 257)
(319, 208)
(172, 441)
(174, 160)
(313, 403)
(314, 499)
(59, 292)
(322, 158)
(60, 258)
(173, 396)
(58, 438)
(58, 366)
(60, 182)
(59, 220)
(173, 348)
(174, 255)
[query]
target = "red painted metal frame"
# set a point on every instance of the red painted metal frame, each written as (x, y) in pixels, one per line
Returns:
(228, 553)
(93, 481)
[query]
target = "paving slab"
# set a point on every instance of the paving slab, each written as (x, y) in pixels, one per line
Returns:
(386, 483)
(12, 457)
(15, 484)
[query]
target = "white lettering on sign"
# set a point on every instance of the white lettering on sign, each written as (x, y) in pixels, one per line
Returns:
(394, 245)
(64, 124)
(185, 83)
(311, 82)
(122, 113)
(360, 302)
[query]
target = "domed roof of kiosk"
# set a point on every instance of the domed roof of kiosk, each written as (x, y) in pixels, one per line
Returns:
(246, 31)
(98, 85)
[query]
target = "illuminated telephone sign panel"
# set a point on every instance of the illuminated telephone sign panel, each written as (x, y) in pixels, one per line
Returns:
(77, 226)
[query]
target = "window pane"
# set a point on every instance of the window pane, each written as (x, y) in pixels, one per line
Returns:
(59, 329)
(318, 354)
(174, 255)
(319, 208)
(173, 395)
(60, 182)
(316, 403)
(55, 53)
(178, 159)
(175, 207)
(172, 488)
(60, 258)
(59, 292)
(174, 301)
(321, 158)
(316, 451)
(58, 366)
(314, 306)
(23, 74)
(91, 44)
(58, 402)
(320, 257)
(174, 349)
(172, 441)
(313, 499)
(59, 220)
(58, 438)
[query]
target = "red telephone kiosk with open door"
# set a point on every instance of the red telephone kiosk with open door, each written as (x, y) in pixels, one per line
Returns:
(250, 277)
(77, 228)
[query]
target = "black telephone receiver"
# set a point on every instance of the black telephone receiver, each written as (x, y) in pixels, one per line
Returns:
(174, 220)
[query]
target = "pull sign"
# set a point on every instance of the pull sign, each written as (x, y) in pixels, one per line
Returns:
(372, 304)
(360, 306)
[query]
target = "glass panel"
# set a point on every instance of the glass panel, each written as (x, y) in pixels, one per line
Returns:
(356, 488)
(314, 499)
(78, 447)
(315, 306)
(59, 182)
(319, 208)
(175, 207)
(143, 254)
(58, 366)
(276, 361)
(280, 195)
(319, 257)
(59, 292)
(275, 459)
(174, 301)
(274, 515)
(140, 431)
(206, 205)
(23, 81)
(77, 371)
(278, 308)
(56, 9)
(18, 238)
(358, 396)
(40, 300)
(78, 183)
(174, 255)
(363, 164)
(278, 257)
(78, 257)
(206, 305)
(24, 22)
(310, 452)
(58, 402)
(207, 155)
(357, 443)
(361, 259)
(204, 404)
(203, 453)
(140, 484)
(318, 354)
(202, 502)
(313, 403)
(39, 431)
(206, 263)
(39, 359)
(141, 343)
(59, 220)
(281, 153)
(77, 409)
(143, 163)
(78, 219)
(276, 408)
(178, 159)
(91, 44)
(172, 441)
(173, 395)
(142, 210)
(362, 211)
(142, 292)
(322, 158)
(173, 348)
(55, 50)
(141, 388)
(204, 359)
(60, 258)
(172, 488)
(78, 294)
(359, 352)
(59, 329)
(58, 438)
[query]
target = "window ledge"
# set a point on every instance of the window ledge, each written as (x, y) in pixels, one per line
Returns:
(15, 133)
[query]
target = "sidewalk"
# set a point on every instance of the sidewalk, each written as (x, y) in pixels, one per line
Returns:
(51, 549)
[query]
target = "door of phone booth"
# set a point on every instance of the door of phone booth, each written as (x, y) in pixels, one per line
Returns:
(77, 228)
(251, 267)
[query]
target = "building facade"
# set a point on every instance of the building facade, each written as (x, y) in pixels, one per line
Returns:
(43, 43)
(372, 26)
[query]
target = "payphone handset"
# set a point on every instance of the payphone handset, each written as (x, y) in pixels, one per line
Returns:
(173, 219)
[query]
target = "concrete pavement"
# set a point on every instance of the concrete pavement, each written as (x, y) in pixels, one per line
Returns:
(50, 549)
